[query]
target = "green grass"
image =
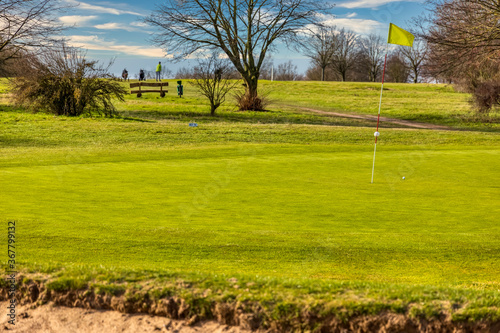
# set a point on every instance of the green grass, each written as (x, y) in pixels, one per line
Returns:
(300, 213)
(430, 103)
(280, 198)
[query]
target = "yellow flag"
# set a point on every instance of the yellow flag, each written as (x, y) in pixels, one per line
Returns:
(400, 36)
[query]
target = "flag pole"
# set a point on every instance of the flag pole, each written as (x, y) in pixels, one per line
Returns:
(400, 37)
(379, 107)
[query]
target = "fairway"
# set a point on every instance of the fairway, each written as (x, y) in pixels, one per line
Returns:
(258, 200)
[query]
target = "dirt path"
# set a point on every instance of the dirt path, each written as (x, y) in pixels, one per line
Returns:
(59, 319)
(407, 123)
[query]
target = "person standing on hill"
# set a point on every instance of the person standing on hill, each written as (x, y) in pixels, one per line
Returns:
(158, 72)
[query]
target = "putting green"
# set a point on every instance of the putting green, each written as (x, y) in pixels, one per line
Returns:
(273, 210)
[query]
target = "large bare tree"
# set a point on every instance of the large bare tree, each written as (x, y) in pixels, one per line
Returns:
(415, 57)
(245, 30)
(320, 47)
(461, 32)
(346, 52)
(464, 42)
(373, 47)
(26, 25)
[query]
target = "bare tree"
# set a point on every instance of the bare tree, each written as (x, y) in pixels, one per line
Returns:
(415, 57)
(27, 24)
(460, 34)
(214, 77)
(464, 43)
(315, 73)
(372, 52)
(245, 30)
(320, 47)
(184, 73)
(345, 52)
(465, 29)
(396, 69)
(286, 72)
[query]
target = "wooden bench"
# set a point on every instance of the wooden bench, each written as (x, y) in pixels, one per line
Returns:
(148, 84)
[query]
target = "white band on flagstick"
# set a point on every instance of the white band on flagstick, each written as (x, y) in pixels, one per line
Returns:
(373, 167)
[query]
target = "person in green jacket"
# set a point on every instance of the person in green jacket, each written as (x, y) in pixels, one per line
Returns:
(158, 72)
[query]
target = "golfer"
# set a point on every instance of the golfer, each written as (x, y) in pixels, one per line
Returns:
(158, 72)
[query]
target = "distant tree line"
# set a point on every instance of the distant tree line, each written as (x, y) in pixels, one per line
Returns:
(343, 55)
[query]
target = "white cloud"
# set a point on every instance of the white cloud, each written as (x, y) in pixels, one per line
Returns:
(199, 54)
(351, 15)
(82, 39)
(360, 26)
(116, 26)
(365, 3)
(96, 43)
(76, 20)
(139, 24)
(101, 9)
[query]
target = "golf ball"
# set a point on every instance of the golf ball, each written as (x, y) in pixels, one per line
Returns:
(404, 178)
(376, 133)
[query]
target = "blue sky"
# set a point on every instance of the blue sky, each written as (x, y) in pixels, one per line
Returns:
(114, 29)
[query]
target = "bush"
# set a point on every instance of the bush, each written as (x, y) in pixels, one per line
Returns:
(487, 95)
(63, 82)
(250, 103)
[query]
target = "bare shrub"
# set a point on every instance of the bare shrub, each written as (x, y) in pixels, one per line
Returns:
(63, 82)
(487, 95)
(215, 78)
(482, 80)
(248, 103)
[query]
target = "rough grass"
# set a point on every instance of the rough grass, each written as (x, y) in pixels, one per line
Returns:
(431, 103)
(281, 199)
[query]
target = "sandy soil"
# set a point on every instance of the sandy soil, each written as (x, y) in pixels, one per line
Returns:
(56, 319)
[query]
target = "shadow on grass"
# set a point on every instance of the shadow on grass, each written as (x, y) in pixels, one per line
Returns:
(291, 115)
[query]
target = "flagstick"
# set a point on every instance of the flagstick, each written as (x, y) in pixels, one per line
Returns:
(378, 117)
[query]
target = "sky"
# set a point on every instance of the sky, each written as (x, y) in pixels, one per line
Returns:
(115, 30)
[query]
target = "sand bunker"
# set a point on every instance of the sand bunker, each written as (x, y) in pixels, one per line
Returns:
(58, 319)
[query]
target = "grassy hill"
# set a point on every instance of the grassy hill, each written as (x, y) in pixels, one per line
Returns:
(270, 208)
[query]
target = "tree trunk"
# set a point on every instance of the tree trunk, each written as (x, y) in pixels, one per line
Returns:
(251, 100)
(322, 73)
